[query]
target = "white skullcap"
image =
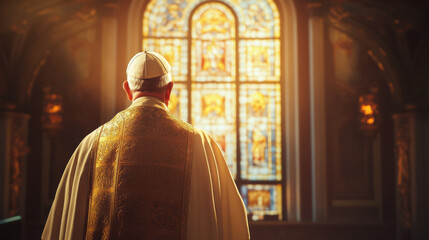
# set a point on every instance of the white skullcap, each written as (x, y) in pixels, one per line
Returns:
(145, 65)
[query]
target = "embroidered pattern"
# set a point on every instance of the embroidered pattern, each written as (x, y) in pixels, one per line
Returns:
(141, 177)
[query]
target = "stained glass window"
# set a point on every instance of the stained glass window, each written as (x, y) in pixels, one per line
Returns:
(225, 59)
(260, 139)
(262, 201)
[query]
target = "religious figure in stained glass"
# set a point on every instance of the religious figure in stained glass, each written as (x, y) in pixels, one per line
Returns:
(213, 58)
(258, 103)
(259, 199)
(260, 138)
(213, 105)
(213, 26)
(262, 200)
(232, 50)
(259, 144)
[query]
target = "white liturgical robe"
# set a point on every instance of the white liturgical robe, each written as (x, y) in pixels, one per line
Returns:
(216, 210)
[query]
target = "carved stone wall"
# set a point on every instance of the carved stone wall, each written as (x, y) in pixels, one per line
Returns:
(14, 149)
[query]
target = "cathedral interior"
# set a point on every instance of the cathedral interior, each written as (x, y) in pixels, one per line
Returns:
(321, 107)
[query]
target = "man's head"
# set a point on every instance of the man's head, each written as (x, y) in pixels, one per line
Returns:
(148, 74)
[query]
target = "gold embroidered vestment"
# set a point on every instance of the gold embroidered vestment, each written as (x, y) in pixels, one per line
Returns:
(140, 176)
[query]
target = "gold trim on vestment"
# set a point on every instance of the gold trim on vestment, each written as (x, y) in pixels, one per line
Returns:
(140, 180)
(93, 155)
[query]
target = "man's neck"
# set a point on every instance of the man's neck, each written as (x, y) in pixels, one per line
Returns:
(139, 94)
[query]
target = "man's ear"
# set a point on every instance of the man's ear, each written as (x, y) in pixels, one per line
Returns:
(127, 90)
(168, 91)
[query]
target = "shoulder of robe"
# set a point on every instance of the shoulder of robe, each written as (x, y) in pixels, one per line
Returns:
(200, 134)
(203, 135)
(87, 143)
(185, 125)
(89, 139)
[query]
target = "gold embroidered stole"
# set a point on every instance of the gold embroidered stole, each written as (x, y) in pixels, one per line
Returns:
(141, 177)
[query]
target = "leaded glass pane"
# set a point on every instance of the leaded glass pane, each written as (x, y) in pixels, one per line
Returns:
(260, 19)
(178, 104)
(259, 60)
(175, 51)
(213, 20)
(213, 110)
(166, 18)
(260, 131)
(213, 44)
(213, 60)
(263, 202)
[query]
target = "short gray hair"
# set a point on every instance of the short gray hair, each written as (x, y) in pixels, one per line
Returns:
(150, 84)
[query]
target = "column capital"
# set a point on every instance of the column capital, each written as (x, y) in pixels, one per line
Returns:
(109, 9)
(316, 8)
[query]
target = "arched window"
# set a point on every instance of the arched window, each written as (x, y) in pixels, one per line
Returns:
(225, 59)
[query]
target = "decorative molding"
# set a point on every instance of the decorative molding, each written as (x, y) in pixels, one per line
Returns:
(18, 152)
(403, 174)
(355, 203)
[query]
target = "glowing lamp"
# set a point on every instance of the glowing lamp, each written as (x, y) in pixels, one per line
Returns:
(368, 117)
(52, 118)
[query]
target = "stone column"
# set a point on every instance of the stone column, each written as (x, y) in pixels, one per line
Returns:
(412, 169)
(109, 83)
(317, 109)
(13, 152)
